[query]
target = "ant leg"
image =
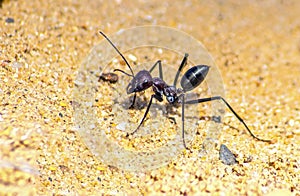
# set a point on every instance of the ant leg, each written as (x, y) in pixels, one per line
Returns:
(231, 109)
(160, 69)
(147, 110)
(133, 101)
(182, 119)
(183, 63)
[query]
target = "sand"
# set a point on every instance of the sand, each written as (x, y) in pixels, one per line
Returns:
(256, 48)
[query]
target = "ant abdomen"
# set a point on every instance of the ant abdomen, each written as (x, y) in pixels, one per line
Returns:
(194, 77)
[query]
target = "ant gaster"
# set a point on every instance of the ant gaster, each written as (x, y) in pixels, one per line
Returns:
(191, 79)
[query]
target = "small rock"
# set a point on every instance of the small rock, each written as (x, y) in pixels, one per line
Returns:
(226, 156)
(121, 126)
(9, 20)
(216, 119)
(110, 77)
(17, 65)
(132, 57)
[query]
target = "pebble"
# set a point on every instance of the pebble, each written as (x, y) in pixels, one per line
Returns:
(121, 126)
(226, 156)
(9, 20)
(17, 65)
(132, 57)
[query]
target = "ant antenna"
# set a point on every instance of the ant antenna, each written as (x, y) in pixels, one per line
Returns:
(119, 54)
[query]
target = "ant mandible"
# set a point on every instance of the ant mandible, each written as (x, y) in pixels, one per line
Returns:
(191, 79)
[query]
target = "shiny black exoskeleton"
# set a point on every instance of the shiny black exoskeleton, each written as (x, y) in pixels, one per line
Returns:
(191, 79)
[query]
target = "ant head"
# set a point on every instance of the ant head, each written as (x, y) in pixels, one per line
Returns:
(171, 94)
(140, 82)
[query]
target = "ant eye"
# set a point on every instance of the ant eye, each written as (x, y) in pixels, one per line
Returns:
(145, 81)
(170, 99)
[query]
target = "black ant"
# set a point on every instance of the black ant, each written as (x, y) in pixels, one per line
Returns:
(191, 79)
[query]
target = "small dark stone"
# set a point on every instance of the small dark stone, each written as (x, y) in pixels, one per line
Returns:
(216, 119)
(110, 77)
(9, 20)
(226, 156)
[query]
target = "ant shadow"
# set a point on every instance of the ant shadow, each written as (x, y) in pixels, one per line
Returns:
(141, 102)
(168, 110)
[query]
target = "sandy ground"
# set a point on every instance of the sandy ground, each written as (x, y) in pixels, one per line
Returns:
(255, 44)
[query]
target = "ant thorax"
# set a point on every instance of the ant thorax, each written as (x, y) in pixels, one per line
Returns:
(160, 88)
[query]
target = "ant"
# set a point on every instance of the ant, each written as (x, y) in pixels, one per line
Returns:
(191, 79)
